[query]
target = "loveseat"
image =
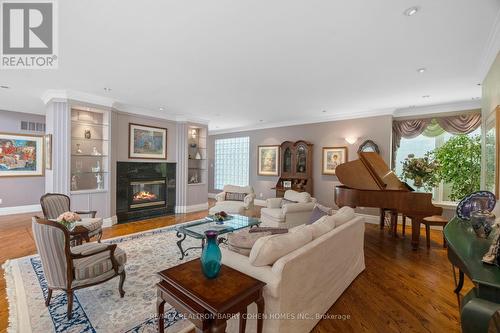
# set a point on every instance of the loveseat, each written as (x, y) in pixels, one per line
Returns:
(303, 284)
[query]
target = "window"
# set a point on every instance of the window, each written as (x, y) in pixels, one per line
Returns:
(231, 162)
(421, 145)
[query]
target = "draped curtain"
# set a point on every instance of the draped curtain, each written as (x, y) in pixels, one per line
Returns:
(409, 129)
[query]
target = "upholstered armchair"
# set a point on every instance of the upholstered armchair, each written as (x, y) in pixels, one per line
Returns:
(292, 210)
(234, 199)
(54, 204)
(70, 268)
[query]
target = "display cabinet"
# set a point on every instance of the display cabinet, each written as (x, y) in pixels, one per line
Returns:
(197, 156)
(296, 167)
(90, 136)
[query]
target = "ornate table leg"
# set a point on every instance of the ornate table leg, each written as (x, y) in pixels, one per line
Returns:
(182, 237)
(243, 321)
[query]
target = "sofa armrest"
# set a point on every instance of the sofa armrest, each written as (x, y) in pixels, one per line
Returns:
(298, 207)
(265, 274)
(273, 202)
(248, 200)
(220, 196)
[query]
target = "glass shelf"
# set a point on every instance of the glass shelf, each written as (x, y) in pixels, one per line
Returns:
(83, 122)
(85, 139)
(88, 155)
(87, 172)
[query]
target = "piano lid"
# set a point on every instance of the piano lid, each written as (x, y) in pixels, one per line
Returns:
(369, 172)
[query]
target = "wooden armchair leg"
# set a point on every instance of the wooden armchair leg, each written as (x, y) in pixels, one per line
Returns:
(69, 294)
(428, 235)
(122, 280)
(49, 296)
(99, 236)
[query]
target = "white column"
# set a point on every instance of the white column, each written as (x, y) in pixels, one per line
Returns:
(58, 123)
(182, 167)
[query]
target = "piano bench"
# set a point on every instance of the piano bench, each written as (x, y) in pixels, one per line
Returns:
(434, 220)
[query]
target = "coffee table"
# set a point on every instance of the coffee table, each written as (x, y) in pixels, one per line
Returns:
(197, 229)
(208, 304)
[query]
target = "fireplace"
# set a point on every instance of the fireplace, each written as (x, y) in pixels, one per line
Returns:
(144, 190)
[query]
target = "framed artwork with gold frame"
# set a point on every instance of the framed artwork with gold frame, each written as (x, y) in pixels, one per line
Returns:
(268, 163)
(21, 155)
(332, 158)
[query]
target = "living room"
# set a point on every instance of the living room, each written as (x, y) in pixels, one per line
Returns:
(269, 167)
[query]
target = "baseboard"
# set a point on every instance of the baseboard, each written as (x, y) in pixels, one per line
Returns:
(110, 221)
(20, 209)
(190, 209)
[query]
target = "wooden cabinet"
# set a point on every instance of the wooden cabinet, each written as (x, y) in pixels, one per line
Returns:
(296, 167)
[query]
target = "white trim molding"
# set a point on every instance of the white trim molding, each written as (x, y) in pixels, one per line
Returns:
(20, 209)
(438, 108)
(491, 49)
(191, 208)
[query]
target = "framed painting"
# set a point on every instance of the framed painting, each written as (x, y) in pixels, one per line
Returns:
(147, 142)
(332, 158)
(268, 160)
(48, 151)
(21, 155)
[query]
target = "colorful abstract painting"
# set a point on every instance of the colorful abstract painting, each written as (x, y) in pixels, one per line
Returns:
(21, 155)
(147, 142)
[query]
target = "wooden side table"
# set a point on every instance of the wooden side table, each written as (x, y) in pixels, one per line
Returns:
(208, 304)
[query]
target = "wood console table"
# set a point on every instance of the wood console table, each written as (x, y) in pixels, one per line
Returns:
(208, 304)
(465, 251)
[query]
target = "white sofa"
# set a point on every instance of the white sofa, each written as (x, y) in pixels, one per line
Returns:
(230, 206)
(303, 284)
(279, 215)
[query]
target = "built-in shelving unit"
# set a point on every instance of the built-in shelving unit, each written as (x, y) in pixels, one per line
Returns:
(90, 136)
(197, 156)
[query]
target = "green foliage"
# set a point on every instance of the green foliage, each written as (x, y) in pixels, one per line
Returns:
(422, 170)
(459, 162)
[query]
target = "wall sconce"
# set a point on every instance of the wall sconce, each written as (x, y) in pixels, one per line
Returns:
(351, 140)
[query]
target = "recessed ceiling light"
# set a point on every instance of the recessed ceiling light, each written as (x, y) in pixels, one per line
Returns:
(421, 70)
(5, 87)
(426, 96)
(261, 120)
(411, 11)
(107, 89)
(476, 98)
(161, 108)
(324, 111)
(412, 106)
(479, 84)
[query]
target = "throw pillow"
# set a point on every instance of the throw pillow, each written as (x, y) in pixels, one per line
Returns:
(343, 215)
(234, 196)
(322, 226)
(267, 250)
(316, 214)
(243, 241)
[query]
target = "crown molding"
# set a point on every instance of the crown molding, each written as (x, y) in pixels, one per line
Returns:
(491, 49)
(438, 108)
(66, 95)
(309, 120)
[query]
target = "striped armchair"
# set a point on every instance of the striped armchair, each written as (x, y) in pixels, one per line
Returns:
(54, 204)
(70, 268)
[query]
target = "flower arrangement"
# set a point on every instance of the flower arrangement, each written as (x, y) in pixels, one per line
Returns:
(68, 217)
(422, 170)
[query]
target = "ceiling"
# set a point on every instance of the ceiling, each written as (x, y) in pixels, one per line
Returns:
(247, 63)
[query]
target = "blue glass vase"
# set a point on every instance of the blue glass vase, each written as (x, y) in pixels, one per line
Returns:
(211, 255)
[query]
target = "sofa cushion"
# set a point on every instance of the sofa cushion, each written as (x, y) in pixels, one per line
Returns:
(235, 196)
(100, 263)
(268, 249)
(238, 189)
(322, 226)
(274, 213)
(297, 196)
(242, 242)
(343, 215)
(316, 214)
(286, 202)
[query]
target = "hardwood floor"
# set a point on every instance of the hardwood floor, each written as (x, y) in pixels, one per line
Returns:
(400, 291)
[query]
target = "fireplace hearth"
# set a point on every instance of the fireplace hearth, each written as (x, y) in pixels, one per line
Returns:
(144, 190)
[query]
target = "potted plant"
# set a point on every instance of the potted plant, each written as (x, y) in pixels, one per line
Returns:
(422, 170)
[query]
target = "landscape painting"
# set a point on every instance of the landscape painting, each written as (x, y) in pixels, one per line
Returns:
(147, 142)
(21, 155)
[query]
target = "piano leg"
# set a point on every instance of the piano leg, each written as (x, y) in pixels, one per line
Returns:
(415, 232)
(382, 218)
(394, 223)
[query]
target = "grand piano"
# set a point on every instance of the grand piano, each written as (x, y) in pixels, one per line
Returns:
(369, 182)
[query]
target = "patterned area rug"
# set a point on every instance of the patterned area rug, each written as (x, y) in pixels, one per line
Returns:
(100, 308)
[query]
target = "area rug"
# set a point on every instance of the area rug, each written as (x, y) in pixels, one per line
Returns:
(100, 308)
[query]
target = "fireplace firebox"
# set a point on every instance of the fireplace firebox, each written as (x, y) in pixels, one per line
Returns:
(144, 190)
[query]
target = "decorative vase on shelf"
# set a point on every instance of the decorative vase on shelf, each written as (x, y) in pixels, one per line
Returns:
(211, 255)
(198, 156)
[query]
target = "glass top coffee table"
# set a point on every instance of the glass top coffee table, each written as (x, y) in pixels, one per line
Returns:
(196, 229)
